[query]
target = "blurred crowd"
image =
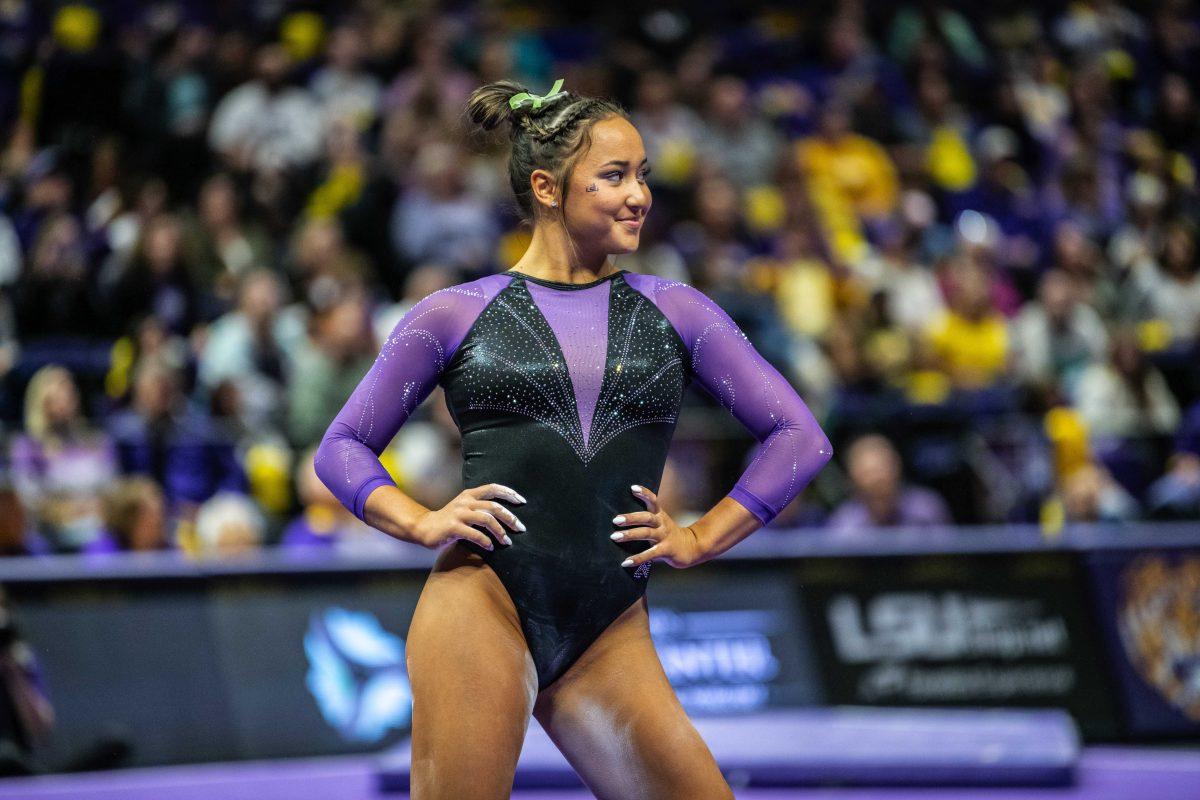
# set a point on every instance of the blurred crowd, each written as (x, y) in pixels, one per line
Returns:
(965, 232)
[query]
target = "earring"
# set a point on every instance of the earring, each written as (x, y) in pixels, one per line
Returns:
(554, 204)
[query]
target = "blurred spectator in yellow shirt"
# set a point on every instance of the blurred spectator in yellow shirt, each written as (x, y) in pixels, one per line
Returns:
(805, 288)
(856, 167)
(969, 342)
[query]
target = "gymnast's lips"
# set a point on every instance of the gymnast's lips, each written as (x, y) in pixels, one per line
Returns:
(632, 223)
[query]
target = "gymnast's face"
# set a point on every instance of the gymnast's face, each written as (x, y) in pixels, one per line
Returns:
(608, 197)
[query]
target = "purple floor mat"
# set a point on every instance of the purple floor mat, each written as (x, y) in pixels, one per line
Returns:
(846, 747)
(1104, 773)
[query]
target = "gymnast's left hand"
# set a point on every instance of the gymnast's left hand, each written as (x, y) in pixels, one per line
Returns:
(678, 546)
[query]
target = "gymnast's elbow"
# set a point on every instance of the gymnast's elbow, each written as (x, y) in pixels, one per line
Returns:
(813, 440)
(824, 447)
(337, 439)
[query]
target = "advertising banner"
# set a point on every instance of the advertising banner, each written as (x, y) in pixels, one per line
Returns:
(733, 640)
(980, 630)
(224, 668)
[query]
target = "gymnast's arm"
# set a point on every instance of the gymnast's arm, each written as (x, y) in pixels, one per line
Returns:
(792, 447)
(404, 373)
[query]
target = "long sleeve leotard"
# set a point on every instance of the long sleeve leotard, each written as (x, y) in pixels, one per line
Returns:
(569, 393)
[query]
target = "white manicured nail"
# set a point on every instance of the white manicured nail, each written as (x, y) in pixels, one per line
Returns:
(617, 535)
(618, 520)
(627, 562)
(636, 488)
(520, 525)
(506, 540)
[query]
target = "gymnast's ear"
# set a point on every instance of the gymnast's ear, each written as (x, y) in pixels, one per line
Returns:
(545, 190)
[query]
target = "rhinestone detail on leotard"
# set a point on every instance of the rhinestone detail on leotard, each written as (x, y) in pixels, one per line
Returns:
(519, 367)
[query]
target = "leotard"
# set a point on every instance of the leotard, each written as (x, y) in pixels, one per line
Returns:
(569, 393)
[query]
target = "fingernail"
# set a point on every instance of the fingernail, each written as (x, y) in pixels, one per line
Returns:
(520, 499)
(636, 488)
(617, 535)
(506, 540)
(618, 520)
(520, 525)
(627, 562)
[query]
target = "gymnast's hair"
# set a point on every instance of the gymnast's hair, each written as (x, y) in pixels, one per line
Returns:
(552, 137)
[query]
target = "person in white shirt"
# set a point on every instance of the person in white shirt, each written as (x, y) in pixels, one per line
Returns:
(265, 124)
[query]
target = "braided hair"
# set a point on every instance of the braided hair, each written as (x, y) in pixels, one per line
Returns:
(551, 137)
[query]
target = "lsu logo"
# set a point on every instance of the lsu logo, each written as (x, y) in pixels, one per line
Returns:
(1160, 627)
(357, 675)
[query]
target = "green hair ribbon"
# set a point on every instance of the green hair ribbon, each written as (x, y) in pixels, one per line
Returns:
(523, 98)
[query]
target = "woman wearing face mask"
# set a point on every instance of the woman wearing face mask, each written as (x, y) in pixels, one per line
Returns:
(564, 375)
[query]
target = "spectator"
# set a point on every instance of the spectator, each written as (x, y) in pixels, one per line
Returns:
(1056, 337)
(60, 463)
(27, 717)
(734, 137)
(881, 498)
(911, 291)
(253, 349)
(1176, 495)
(1135, 245)
(342, 88)
(715, 245)
(1089, 494)
(264, 124)
(158, 282)
(434, 87)
(969, 342)
(1171, 284)
(54, 296)
(337, 352)
(1130, 413)
(319, 250)
(848, 168)
(670, 130)
(1125, 396)
(438, 218)
(805, 289)
(124, 233)
(221, 246)
(228, 525)
(17, 537)
(165, 438)
(134, 517)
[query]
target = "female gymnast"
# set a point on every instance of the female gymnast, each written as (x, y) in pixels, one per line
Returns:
(564, 376)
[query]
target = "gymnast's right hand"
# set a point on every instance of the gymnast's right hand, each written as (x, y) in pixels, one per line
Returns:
(472, 507)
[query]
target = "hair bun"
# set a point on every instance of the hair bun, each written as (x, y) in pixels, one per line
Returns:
(488, 107)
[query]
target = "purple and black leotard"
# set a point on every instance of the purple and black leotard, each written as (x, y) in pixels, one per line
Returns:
(569, 393)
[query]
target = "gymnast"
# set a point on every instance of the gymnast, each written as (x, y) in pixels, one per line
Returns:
(564, 375)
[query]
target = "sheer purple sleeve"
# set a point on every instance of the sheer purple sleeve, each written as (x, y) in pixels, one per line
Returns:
(792, 447)
(408, 367)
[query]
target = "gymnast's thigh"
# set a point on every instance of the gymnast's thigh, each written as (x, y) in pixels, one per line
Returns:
(473, 683)
(615, 717)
